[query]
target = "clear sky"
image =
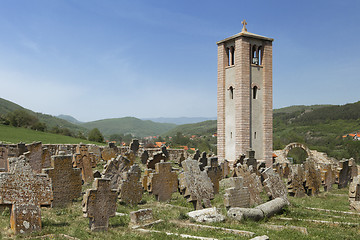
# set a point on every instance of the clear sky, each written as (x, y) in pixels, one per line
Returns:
(96, 59)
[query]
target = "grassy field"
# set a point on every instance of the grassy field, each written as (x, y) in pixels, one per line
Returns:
(10, 134)
(70, 220)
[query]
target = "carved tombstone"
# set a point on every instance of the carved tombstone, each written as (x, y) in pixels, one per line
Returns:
(344, 173)
(163, 182)
(328, 177)
(353, 168)
(96, 152)
(157, 157)
(99, 204)
(131, 189)
(85, 161)
(195, 185)
(296, 181)
(312, 178)
(273, 184)
(134, 146)
(144, 157)
(145, 179)
(203, 161)
(115, 170)
(237, 195)
(225, 168)
(131, 156)
(250, 159)
(46, 158)
(354, 189)
(66, 180)
(214, 172)
(109, 152)
(26, 192)
(34, 156)
(251, 181)
(196, 155)
(4, 163)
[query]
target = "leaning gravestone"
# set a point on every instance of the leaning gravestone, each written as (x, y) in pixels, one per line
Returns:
(99, 204)
(296, 181)
(237, 195)
(197, 154)
(115, 170)
(203, 161)
(131, 189)
(214, 172)
(85, 161)
(273, 184)
(157, 157)
(344, 173)
(26, 192)
(144, 157)
(163, 182)
(195, 185)
(66, 180)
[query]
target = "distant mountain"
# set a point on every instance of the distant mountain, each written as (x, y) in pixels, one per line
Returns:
(297, 108)
(129, 125)
(69, 119)
(180, 120)
(51, 121)
(200, 129)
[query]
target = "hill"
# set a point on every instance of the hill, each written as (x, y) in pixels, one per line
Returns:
(10, 134)
(200, 129)
(180, 120)
(50, 121)
(129, 125)
(69, 119)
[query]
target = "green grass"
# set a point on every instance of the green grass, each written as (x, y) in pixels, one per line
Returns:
(10, 134)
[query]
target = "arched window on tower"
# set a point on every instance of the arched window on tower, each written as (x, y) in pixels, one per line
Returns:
(255, 58)
(260, 55)
(228, 56)
(231, 92)
(255, 89)
(232, 54)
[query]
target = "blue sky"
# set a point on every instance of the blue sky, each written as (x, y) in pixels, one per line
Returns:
(99, 59)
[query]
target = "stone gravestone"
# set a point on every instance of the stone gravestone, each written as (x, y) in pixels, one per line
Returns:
(145, 178)
(144, 157)
(131, 156)
(131, 189)
(353, 168)
(26, 192)
(46, 158)
(196, 155)
(195, 185)
(115, 170)
(85, 161)
(296, 181)
(203, 161)
(66, 180)
(328, 177)
(181, 158)
(163, 182)
(96, 151)
(344, 173)
(99, 204)
(312, 178)
(251, 181)
(134, 146)
(4, 163)
(250, 159)
(237, 195)
(214, 172)
(157, 157)
(225, 168)
(354, 194)
(165, 152)
(34, 156)
(273, 184)
(109, 152)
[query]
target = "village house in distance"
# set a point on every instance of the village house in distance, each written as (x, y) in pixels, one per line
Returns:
(244, 115)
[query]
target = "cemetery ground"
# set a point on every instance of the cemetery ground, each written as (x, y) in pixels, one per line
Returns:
(69, 223)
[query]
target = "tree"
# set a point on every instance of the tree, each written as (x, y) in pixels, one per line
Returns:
(116, 137)
(21, 118)
(95, 135)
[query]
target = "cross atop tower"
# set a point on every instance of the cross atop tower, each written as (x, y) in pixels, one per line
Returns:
(244, 23)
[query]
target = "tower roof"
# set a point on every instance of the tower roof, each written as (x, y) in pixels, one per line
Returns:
(245, 33)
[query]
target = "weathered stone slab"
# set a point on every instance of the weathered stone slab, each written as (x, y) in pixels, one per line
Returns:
(225, 168)
(99, 204)
(296, 181)
(163, 182)
(203, 161)
(181, 158)
(157, 157)
(328, 177)
(96, 152)
(197, 154)
(214, 172)
(26, 192)
(134, 146)
(354, 189)
(131, 156)
(34, 156)
(109, 152)
(353, 168)
(131, 189)
(165, 152)
(251, 181)
(344, 173)
(195, 185)
(250, 159)
(312, 178)
(115, 170)
(4, 163)
(145, 179)
(66, 180)
(45, 158)
(273, 184)
(84, 160)
(206, 215)
(144, 157)
(140, 216)
(237, 195)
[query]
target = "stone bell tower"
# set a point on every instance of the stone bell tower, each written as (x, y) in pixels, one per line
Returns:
(244, 114)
